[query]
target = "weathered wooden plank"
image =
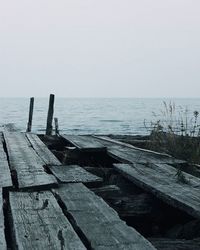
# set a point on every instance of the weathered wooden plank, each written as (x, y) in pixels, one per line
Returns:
(3, 245)
(39, 223)
(175, 244)
(27, 164)
(177, 189)
(5, 175)
(74, 173)
(130, 154)
(120, 151)
(99, 223)
(42, 150)
(84, 143)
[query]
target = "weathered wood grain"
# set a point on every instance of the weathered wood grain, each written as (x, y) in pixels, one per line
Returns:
(5, 175)
(130, 154)
(27, 164)
(39, 223)
(3, 245)
(106, 138)
(99, 223)
(74, 173)
(42, 150)
(175, 244)
(162, 180)
(85, 143)
(122, 152)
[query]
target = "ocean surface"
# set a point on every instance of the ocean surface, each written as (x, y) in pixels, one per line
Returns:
(95, 116)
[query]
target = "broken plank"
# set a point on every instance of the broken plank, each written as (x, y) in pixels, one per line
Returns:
(5, 175)
(127, 153)
(85, 143)
(107, 191)
(121, 151)
(137, 205)
(163, 181)
(73, 173)
(99, 223)
(39, 223)
(26, 163)
(42, 150)
(3, 245)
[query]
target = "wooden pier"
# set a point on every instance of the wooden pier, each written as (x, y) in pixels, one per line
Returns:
(90, 192)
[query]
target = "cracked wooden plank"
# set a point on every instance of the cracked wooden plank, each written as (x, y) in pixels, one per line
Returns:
(26, 163)
(122, 152)
(39, 223)
(130, 154)
(3, 245)
(99, 223)
(42, 150)
(74, 173)
(85, 143)
(5, 175)
(180, 190)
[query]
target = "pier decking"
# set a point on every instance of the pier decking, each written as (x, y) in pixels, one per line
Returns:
(48, 204)
(120, 151)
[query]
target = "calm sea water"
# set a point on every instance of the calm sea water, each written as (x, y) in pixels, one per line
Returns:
(96, 116)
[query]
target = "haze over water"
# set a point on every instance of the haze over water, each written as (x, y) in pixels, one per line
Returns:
(91, 115)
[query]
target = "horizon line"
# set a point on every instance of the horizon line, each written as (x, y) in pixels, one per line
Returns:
(104, 97)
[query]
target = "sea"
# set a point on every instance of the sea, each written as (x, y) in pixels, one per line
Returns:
(125, 116)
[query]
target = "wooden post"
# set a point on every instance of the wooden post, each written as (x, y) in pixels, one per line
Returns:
(29, 125)
(56, 126)
(50, 115)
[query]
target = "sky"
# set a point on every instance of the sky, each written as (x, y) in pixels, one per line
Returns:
(106, 48)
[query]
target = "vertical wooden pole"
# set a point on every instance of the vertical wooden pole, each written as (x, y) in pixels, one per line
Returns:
(50, 115)
(56, 126)
(31, 107)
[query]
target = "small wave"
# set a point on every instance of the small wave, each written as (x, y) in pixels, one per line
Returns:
(110, 120)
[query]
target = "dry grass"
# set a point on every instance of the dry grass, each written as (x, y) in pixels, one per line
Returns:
(177, 134)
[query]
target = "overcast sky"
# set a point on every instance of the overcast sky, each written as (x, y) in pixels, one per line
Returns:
(100, 48)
